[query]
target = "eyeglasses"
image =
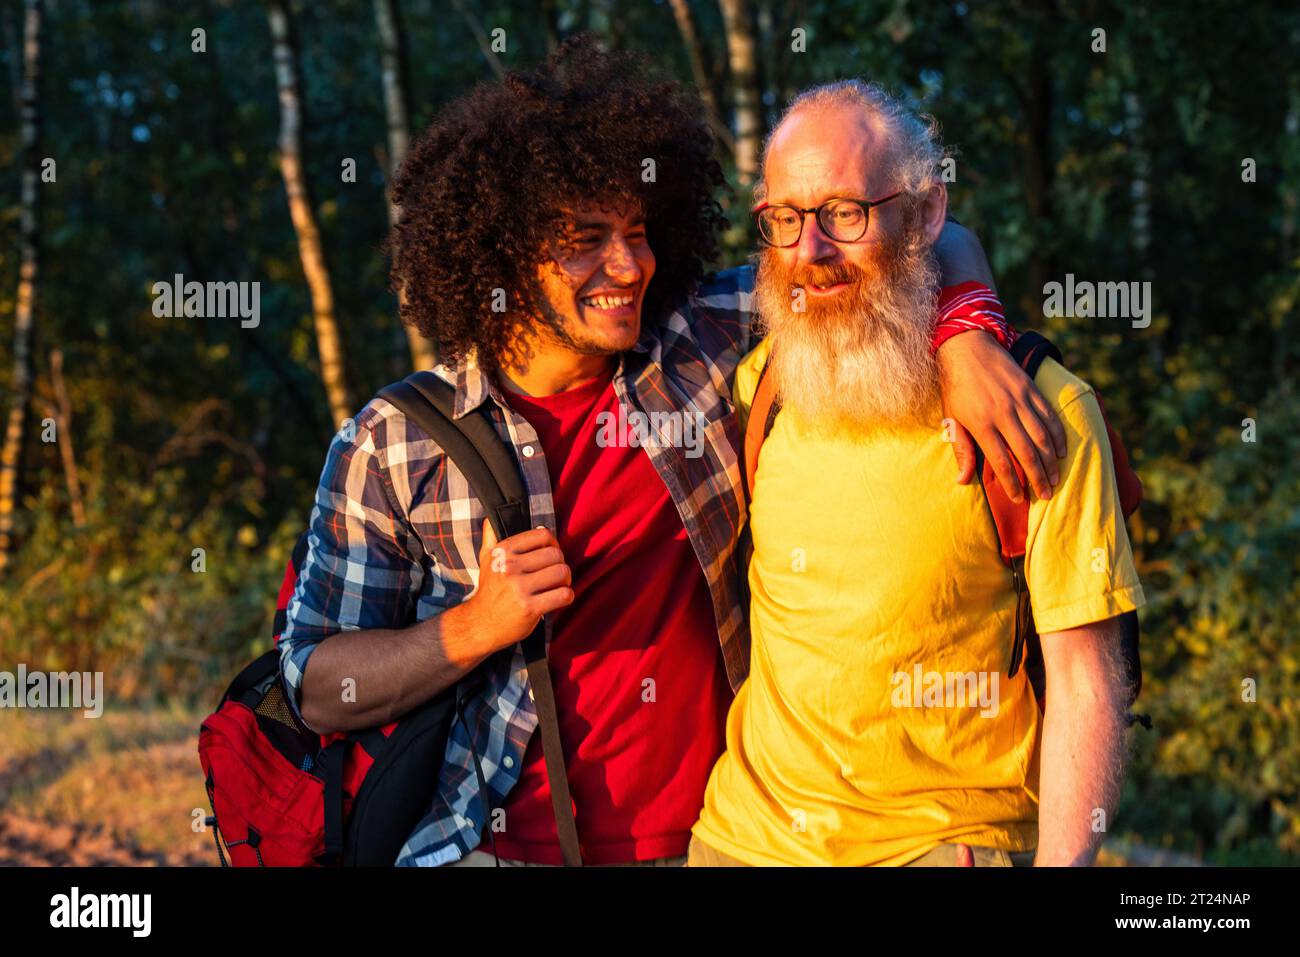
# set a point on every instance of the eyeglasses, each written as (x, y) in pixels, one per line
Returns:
(843, 220)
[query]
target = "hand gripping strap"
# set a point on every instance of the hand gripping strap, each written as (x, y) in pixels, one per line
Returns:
(473, 443)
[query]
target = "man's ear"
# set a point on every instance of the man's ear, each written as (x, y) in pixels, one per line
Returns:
(934, 210)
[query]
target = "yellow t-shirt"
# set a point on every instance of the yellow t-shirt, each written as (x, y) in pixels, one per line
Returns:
(878, 721)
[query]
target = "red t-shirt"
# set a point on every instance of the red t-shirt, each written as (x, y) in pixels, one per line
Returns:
(640, 686)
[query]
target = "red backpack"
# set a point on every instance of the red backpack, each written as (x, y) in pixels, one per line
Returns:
(285, 796)
(1010, 521)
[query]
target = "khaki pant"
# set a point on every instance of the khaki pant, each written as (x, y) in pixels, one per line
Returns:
(478, 858)
(945, 855)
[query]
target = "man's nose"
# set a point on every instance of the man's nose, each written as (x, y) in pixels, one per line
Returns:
(814, 245)
(620, 262)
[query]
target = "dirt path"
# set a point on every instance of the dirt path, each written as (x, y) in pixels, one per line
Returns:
(28, 842)
(87, 810)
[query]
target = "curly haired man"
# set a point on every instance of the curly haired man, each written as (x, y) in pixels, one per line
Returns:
(564, 284)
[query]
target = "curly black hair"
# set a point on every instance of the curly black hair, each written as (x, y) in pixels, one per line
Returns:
(482, 189)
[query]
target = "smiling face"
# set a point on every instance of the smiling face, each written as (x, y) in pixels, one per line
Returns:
(820, 155)
(594, 279)
(848, 322)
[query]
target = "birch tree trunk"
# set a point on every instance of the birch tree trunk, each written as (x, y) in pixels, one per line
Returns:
(1140, 182)
(60, 410)
(392, 62)
(738, 19)
(700, 71)
(481, 37)
(328, 343)
(29, 259)
(551, 23)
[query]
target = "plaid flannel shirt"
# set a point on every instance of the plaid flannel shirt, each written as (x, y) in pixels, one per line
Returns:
(395, 534)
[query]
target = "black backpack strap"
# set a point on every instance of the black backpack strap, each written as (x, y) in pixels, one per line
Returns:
(472, 443)
(330, 767)
(256, 677)
(775, 408)
(1030, 349)
(489, 465)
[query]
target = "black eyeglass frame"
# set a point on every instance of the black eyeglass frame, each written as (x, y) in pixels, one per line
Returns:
(866, 204)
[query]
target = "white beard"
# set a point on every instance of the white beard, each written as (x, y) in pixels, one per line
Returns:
(862, 364)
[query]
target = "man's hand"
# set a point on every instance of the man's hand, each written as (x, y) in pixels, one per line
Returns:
(397, 669)
(990, 398)
(519, 580)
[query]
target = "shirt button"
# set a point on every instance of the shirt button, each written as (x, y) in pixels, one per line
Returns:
(469, 824)
(530, 695)
(529, 451)
(508, 761)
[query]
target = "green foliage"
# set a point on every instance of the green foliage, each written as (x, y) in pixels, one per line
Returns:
(1222, 653)
(121, 596)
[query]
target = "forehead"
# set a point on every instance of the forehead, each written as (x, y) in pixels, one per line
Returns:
(818, 154)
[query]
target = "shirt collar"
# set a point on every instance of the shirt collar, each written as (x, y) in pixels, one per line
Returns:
(473, 385)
